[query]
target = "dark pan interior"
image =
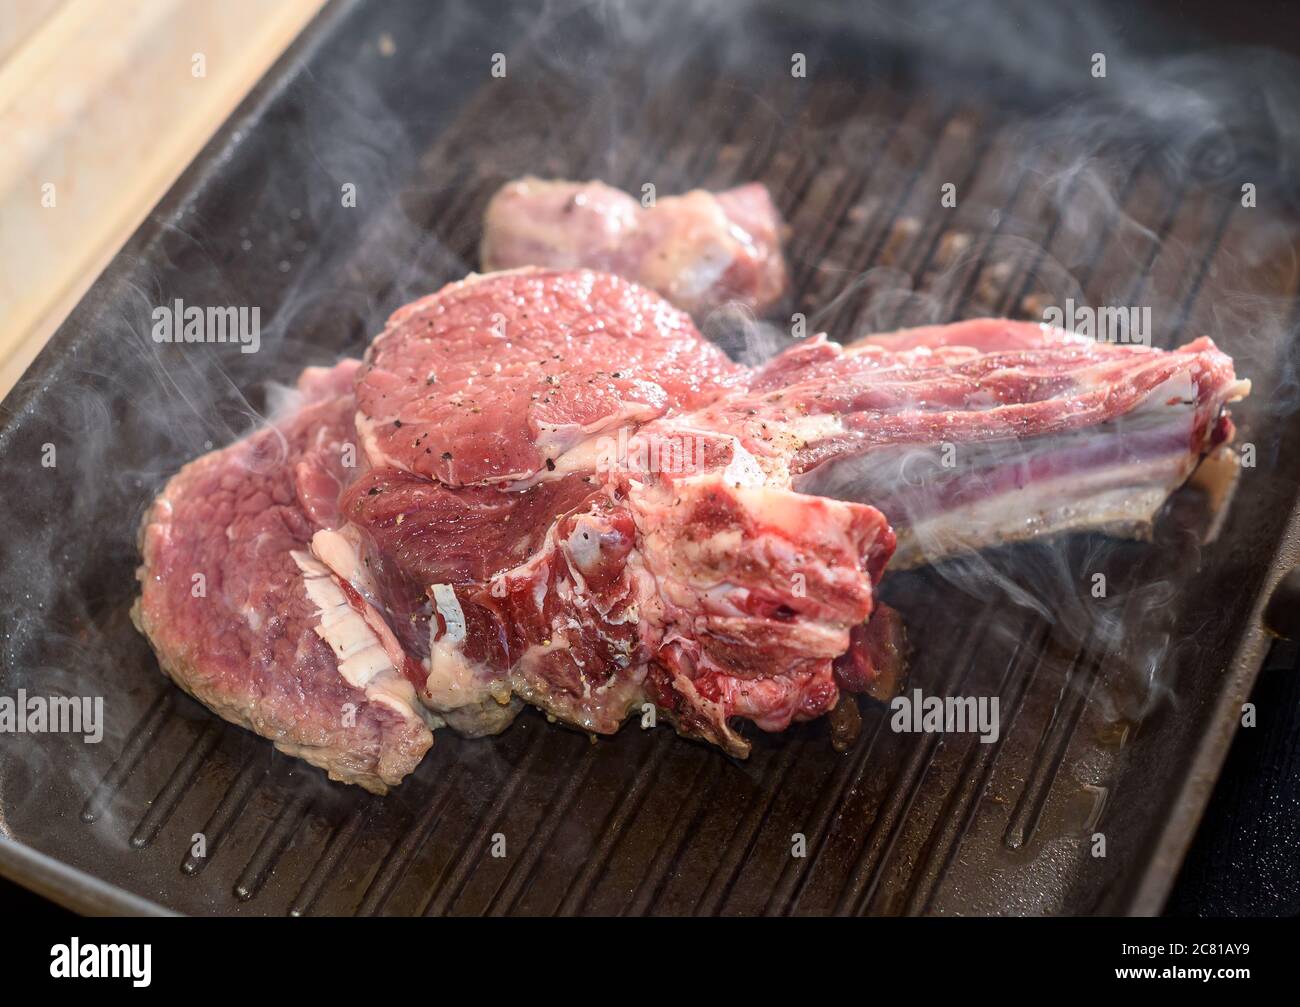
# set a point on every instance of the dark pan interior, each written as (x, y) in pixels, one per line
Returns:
(1115, 711)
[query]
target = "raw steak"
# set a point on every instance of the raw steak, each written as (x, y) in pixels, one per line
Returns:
(700, 250)
(565, 495)
(229, 597)
(518, 425)
(577, 573)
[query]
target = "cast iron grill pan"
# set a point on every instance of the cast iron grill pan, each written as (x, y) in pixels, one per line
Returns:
(1115, 712)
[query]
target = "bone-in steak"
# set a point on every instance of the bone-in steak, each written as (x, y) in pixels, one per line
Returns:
(990, 431)
(565, 495)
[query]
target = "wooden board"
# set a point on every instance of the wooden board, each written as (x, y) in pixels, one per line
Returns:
(102, 105)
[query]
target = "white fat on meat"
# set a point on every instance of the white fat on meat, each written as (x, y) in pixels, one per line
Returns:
(743, 470)
(341, 552)
(692, 253)
(465, 695)
(363, 660)
(1119, 501)
(583, 544)
(555, 440)
(378, 458)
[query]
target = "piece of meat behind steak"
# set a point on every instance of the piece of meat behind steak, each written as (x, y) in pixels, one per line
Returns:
(224, 602)
(700, 250)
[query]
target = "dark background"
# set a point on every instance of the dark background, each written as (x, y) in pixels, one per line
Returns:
(1245, 860)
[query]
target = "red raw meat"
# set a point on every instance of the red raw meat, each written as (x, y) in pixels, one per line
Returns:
(700, 250)
(491, 380)
(563, 573)
(991, 431)
(565, 495)
(224, 605)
